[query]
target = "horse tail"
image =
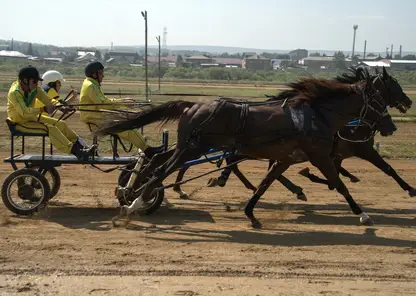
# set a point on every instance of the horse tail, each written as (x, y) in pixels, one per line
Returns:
(166, 112)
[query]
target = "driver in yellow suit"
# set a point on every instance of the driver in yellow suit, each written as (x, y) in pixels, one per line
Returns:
(21, 111)
(51, 84)
(92, 95)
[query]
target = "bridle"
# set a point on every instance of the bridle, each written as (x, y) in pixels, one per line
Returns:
(372, 101)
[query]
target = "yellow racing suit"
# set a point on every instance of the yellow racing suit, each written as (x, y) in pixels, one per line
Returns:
(91, 94)
(22, 111)
(52, 93)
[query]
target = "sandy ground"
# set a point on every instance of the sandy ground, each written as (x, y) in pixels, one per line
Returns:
(197, 247)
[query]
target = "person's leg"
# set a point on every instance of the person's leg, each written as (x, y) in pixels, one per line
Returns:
(57, 138)
(135, 138)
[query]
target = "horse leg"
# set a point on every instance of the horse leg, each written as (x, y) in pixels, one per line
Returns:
(337, 163)
(225, 174)
(325, 164)
(343, 171)
(312, 177)
(372, 156)
(156, 161)
(292, 187)
(179, 157)
(276, 169)
(221, 180)
(242, 178)
(347, 174)
(177, 187)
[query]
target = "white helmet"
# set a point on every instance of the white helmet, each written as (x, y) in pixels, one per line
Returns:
(52, 76)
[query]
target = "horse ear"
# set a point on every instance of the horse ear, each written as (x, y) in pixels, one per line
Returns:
(385, 74)
(369, 84)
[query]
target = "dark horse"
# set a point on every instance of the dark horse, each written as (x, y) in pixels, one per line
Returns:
(268, 130)
(349, 141)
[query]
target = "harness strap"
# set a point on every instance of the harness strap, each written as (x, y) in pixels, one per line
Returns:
(243, 118)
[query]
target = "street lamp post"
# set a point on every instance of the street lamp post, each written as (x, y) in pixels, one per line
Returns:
(144, 14)
(355, 27)
(158, 40)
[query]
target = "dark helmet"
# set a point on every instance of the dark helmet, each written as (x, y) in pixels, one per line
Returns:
(92, 68)
(29, 72)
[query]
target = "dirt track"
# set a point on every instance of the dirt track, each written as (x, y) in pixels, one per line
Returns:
(198, 248)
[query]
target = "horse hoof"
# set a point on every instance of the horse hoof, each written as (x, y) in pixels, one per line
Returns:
(123, 211)
(302, 196)
(366, 221)
(354, 179)
(256, 224)
(184, 196)
(212, 182)
(305, 172)
(221, 182)
(412, 192)
(227, 208)
(113, 221)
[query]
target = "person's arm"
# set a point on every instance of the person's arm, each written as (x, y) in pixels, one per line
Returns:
(45, 99)
(16, 99)
(97, 97)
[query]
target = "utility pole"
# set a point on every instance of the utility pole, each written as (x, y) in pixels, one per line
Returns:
(12, 45)
(144, 14)
(365, 49)
(158, 40)
(355, 27)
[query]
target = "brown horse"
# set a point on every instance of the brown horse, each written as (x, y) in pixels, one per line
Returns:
(261, 130)
(348, 142)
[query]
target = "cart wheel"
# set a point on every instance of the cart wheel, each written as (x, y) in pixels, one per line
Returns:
(149, 207)
(29, 199)
(53, 177)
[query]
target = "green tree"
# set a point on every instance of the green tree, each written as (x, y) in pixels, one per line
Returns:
(339, 58)
(179, 61)
(315, 54)
(409, 57)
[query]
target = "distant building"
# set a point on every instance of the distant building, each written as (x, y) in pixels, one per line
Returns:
(316, 63)
(249, 54)
(401, 65)
(84, 51)
(168, 59)
(229, 62)
(86, 57)
(256, 62)
(197, 61)
(122, 57)
(12, 55)
(375, 64)
(398, 65)
(276, 63)
(298, 54)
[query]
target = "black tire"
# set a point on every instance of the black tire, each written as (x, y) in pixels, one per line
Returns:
(15, 177)
(56, 179)
(152, 206)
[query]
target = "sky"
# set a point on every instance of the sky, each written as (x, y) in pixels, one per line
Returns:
(265, 24)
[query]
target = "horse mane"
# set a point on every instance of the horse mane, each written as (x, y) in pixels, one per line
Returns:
(311, 89)
(353, 75)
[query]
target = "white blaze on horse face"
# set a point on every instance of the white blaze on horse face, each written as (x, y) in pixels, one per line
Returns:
(137, 203)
